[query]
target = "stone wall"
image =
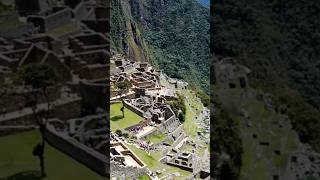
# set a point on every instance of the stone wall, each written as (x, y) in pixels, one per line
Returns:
(13, 101)
(16, 31)
(92, 159)
(128, 172)
(19, 120)
(65, 111)
(178, 140)
(9, 130)
(89, 102)
(133, 108)
(80, 12)
(94, 57)
(190, 169)
(61, 17)
(54, 20)
(12, 16)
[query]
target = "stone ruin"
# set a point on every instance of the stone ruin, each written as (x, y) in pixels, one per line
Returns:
(182, 160)
(304, 163)
(40, 33)
(230, 74)
(59, 17)
(123, 161)
(12, 27)
(140, 77)
(84, 139)
(159, 114)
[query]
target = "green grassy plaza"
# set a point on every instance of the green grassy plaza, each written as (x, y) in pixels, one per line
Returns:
(156, 138)
(118, 122)
(18, 163)
(153, 163)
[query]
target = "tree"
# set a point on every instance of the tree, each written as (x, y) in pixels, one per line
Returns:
(228, 172)
(38, 77)
(122, 110)
(119, 132)
(181, 117)
(125, 135)
(122, 86)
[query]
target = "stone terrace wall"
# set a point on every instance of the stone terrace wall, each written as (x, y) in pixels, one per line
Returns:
(133, 108)
(64, 112)
(67, 111)
(92, 159)
(53, 20)
(63, 16)
(13, 101)
(128, 172)
(80, 11)
(9, 130)
(9, 16)
(17, 31)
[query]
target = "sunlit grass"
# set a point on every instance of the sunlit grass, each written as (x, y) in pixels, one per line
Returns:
(116, 120)
(16, 160)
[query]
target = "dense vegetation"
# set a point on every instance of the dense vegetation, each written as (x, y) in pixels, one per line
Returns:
(125, 34)
(174, 36)
(178, 107)
(178, 31)
(304, 117)
(205, 98)
(225, 142)
(279, 41)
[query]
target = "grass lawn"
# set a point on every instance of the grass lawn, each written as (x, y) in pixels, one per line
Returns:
(17, 161)
(63, 29)
(192, 110)
(116, 120)
(144, 177)
(153, 163)
(10, 24)
(259, 162)
(156, 138)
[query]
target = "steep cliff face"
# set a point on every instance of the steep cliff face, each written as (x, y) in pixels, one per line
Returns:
(125, 34)
(171, 34)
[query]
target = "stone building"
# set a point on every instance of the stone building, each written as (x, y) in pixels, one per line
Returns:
(159, 113)
(12, 27)
(77, 118)
(182, 160)
(230, 74)
(54, 18)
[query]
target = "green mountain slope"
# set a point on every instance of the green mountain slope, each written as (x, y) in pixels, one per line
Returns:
(279, 42)
(173, 36)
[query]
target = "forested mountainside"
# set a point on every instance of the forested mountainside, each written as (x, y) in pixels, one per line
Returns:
(171, 34)
(279, 42)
